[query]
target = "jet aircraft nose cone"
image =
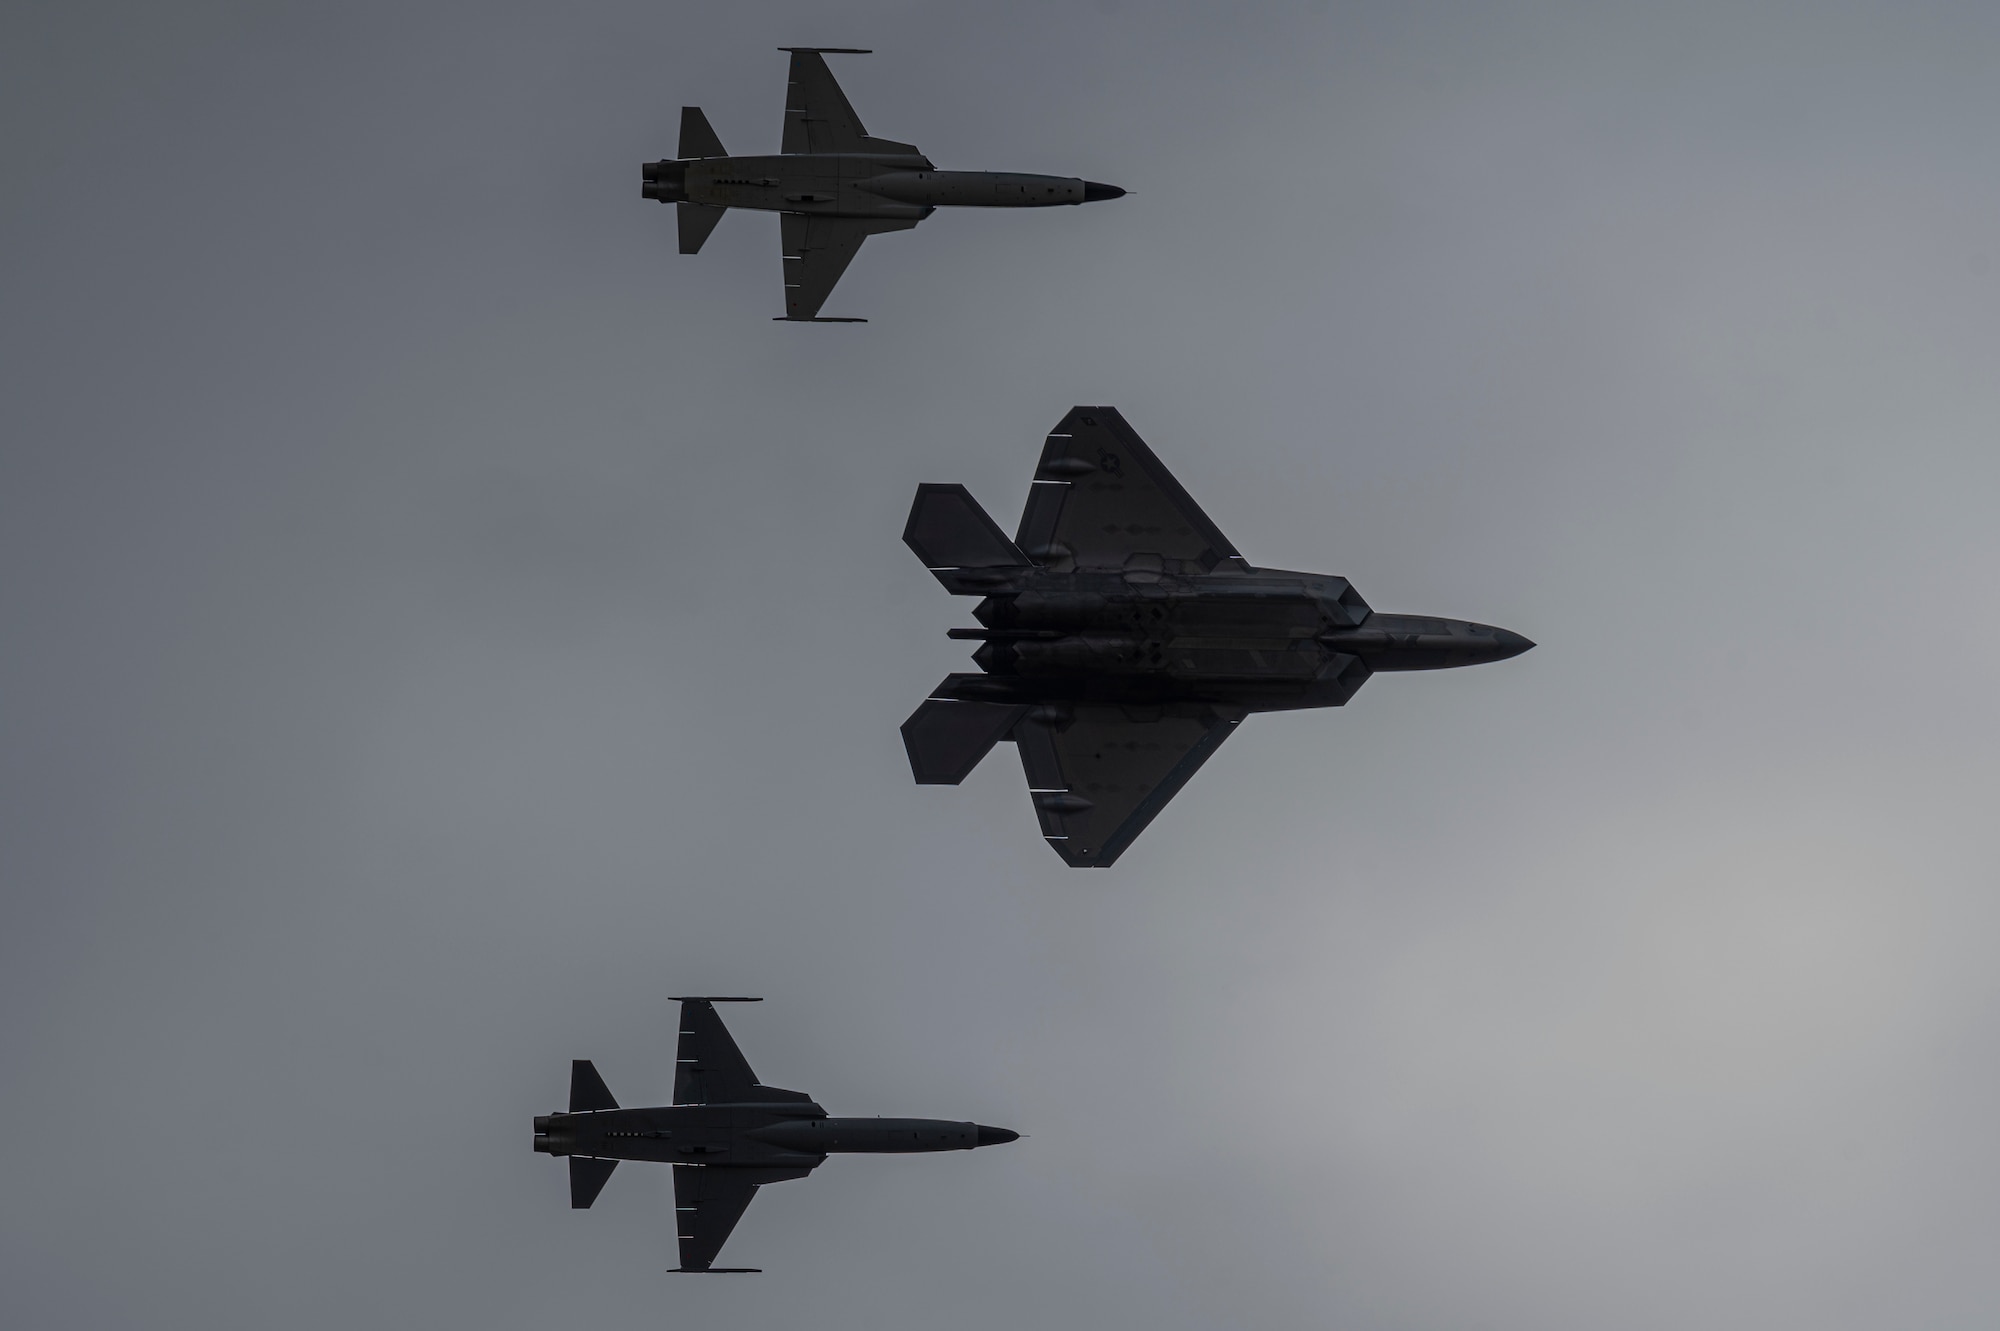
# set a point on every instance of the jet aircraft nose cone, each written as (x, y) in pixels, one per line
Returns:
(1509, 644)
(1092, 192)
(994, 1136)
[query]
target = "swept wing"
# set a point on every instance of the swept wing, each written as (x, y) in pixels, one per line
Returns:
(710, 1199)
(1099, 774)
(818, 117)
(1101, 498)
(710, 1069)
(817, 250)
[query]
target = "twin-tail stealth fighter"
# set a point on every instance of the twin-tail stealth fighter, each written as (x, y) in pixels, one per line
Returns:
(832, 184)
(1124, 638)
(726, 1134)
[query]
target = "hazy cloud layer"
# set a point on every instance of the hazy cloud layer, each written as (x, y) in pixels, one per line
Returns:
(442, 622)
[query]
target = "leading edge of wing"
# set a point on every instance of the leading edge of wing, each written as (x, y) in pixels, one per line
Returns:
(818, 116)
(816, 250)
(1065, 768)
(1101, 496)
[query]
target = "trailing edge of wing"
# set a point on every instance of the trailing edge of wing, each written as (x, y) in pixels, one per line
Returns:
(818, 116)
(709, 1068)
(710, 1199)
(817, 250)
(1101, 774)
(1102, 499)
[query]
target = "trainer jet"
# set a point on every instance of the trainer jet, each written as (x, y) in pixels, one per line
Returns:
(1124, 638)
(726, 1134)
(832, 184)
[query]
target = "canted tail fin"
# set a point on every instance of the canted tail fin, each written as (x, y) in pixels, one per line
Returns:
(698, 137)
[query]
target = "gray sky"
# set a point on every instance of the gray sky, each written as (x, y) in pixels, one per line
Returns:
(442, 622)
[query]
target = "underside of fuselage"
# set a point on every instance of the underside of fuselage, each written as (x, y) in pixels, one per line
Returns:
(1256, 640)
(853, 185)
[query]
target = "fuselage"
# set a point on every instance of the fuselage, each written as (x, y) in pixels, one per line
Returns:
(1256, 639)
(793, 1132)
(856, 185)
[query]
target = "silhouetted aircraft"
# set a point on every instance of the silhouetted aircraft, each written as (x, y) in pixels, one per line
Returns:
(1124, 638)
(726, 1134)
(833, 184)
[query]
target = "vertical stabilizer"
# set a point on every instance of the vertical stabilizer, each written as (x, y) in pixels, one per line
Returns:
(818, 116)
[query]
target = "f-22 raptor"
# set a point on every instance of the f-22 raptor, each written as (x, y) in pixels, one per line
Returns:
(833, 184)
(726, 1134)
(1124, 637)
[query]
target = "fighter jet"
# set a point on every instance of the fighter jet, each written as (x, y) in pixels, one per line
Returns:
(832, 184)
(726, 1134)
(1124, 638)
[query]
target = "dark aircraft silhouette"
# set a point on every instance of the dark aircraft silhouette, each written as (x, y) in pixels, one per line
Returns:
(832, 184)
(1124, 637)
(725, 1134)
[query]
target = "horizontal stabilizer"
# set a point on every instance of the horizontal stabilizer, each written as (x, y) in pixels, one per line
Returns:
(587, 1091)
(587, 1177)
(948, 529)
(946, 739)
(698, 137)
(697, 223)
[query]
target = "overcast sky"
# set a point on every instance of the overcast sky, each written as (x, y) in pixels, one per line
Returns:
(441, 622)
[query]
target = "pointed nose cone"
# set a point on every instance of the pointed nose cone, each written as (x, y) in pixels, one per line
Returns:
(1508, 644)
(994, 1136)
(1092, 192)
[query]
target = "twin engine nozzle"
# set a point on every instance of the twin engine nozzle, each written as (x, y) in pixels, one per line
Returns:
(553, 1137)
(665, 181)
